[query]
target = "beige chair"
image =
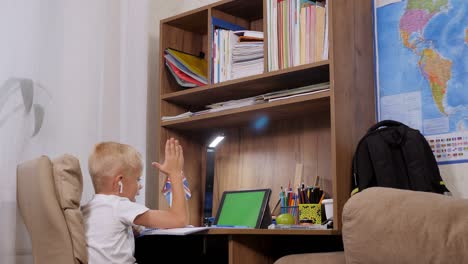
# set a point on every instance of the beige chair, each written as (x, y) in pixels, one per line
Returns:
(48, 195)
(386, 226)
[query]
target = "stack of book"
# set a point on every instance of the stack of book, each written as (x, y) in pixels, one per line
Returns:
(236, 54)
(298, 32)
(188, 70)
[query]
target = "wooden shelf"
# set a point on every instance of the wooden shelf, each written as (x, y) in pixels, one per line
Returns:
(253, 85)
(283, 109)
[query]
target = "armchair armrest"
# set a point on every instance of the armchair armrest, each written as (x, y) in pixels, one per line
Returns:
(312, 258)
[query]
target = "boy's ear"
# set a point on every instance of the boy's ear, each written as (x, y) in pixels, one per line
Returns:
(115, 181)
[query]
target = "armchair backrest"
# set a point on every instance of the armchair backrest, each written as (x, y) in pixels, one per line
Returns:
(48, 196)
(385, 225)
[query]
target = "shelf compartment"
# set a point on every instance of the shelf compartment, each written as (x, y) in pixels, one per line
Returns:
(283, 109)
(249, 86)
(187, 34)
(192, 21)
(233, 12)
(246, 9)
(247, 14)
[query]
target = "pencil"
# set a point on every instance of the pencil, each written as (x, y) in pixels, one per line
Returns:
(321, 198)
(317, 178)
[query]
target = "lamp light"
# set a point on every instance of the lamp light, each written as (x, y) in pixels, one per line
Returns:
(216, 141)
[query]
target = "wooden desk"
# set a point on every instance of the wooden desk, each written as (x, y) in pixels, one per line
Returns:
(235, 245)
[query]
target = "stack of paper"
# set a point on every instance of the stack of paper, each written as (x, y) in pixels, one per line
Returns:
(232, 104)
(285, 94)
(177, 117)
(247, 59)
(188, 70)
(236, 54)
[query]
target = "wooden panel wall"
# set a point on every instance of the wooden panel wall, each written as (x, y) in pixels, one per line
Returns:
(192, 170)
(252, 159)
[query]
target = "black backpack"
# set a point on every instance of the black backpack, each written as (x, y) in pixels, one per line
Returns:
(394, 155)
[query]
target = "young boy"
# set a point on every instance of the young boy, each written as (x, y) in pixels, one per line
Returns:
(115, 170)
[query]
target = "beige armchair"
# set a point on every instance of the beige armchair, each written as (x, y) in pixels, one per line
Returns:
(384, 225)
(48, 195)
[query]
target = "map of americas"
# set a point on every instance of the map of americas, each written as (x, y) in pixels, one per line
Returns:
(435, 32)
(422, 68)
(434, 67)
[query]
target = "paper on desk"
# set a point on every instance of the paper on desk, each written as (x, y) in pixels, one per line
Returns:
(173, 231)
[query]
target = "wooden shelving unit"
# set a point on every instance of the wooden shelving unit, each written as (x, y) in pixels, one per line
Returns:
(320, 130)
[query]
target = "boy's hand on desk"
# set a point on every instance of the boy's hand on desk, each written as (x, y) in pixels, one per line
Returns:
(173, 160)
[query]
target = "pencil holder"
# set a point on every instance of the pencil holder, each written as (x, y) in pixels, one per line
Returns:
(310, 213)
(292, 210)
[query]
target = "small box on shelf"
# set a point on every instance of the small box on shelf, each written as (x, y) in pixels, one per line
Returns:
(310, 213)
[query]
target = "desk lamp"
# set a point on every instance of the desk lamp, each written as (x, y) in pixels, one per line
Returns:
(210, 165)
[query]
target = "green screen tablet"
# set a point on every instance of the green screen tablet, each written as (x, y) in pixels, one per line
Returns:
(243, 208)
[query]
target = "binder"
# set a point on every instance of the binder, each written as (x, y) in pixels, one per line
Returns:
(182, 79)
(192, 65)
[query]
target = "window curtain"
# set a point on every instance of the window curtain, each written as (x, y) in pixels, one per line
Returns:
(72, 73)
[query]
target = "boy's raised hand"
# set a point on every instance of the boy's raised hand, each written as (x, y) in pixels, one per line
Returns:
(177, 213)
(173, 160)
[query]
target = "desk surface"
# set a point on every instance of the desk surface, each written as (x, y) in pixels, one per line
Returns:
(247, 231)
(235, 246)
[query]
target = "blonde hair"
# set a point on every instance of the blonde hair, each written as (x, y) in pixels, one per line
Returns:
(110, 159)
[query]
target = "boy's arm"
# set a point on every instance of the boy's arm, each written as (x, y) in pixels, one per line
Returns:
(176, 216)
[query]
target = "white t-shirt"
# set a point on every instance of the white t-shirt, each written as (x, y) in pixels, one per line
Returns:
(108, 224)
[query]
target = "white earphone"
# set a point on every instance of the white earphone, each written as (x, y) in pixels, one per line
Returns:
(120, 187)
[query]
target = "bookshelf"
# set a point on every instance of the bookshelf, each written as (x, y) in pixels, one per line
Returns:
(319, 130)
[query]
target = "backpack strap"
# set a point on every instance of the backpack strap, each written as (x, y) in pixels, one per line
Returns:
(385, 123)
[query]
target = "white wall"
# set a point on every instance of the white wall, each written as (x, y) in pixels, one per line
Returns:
(88, 61)
(456, 179)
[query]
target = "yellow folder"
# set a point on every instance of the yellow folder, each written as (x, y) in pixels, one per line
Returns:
(195, 64)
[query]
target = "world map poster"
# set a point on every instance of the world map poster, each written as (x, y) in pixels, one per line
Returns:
(421, 57)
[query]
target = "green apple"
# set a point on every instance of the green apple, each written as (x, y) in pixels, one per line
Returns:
(285, 219)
